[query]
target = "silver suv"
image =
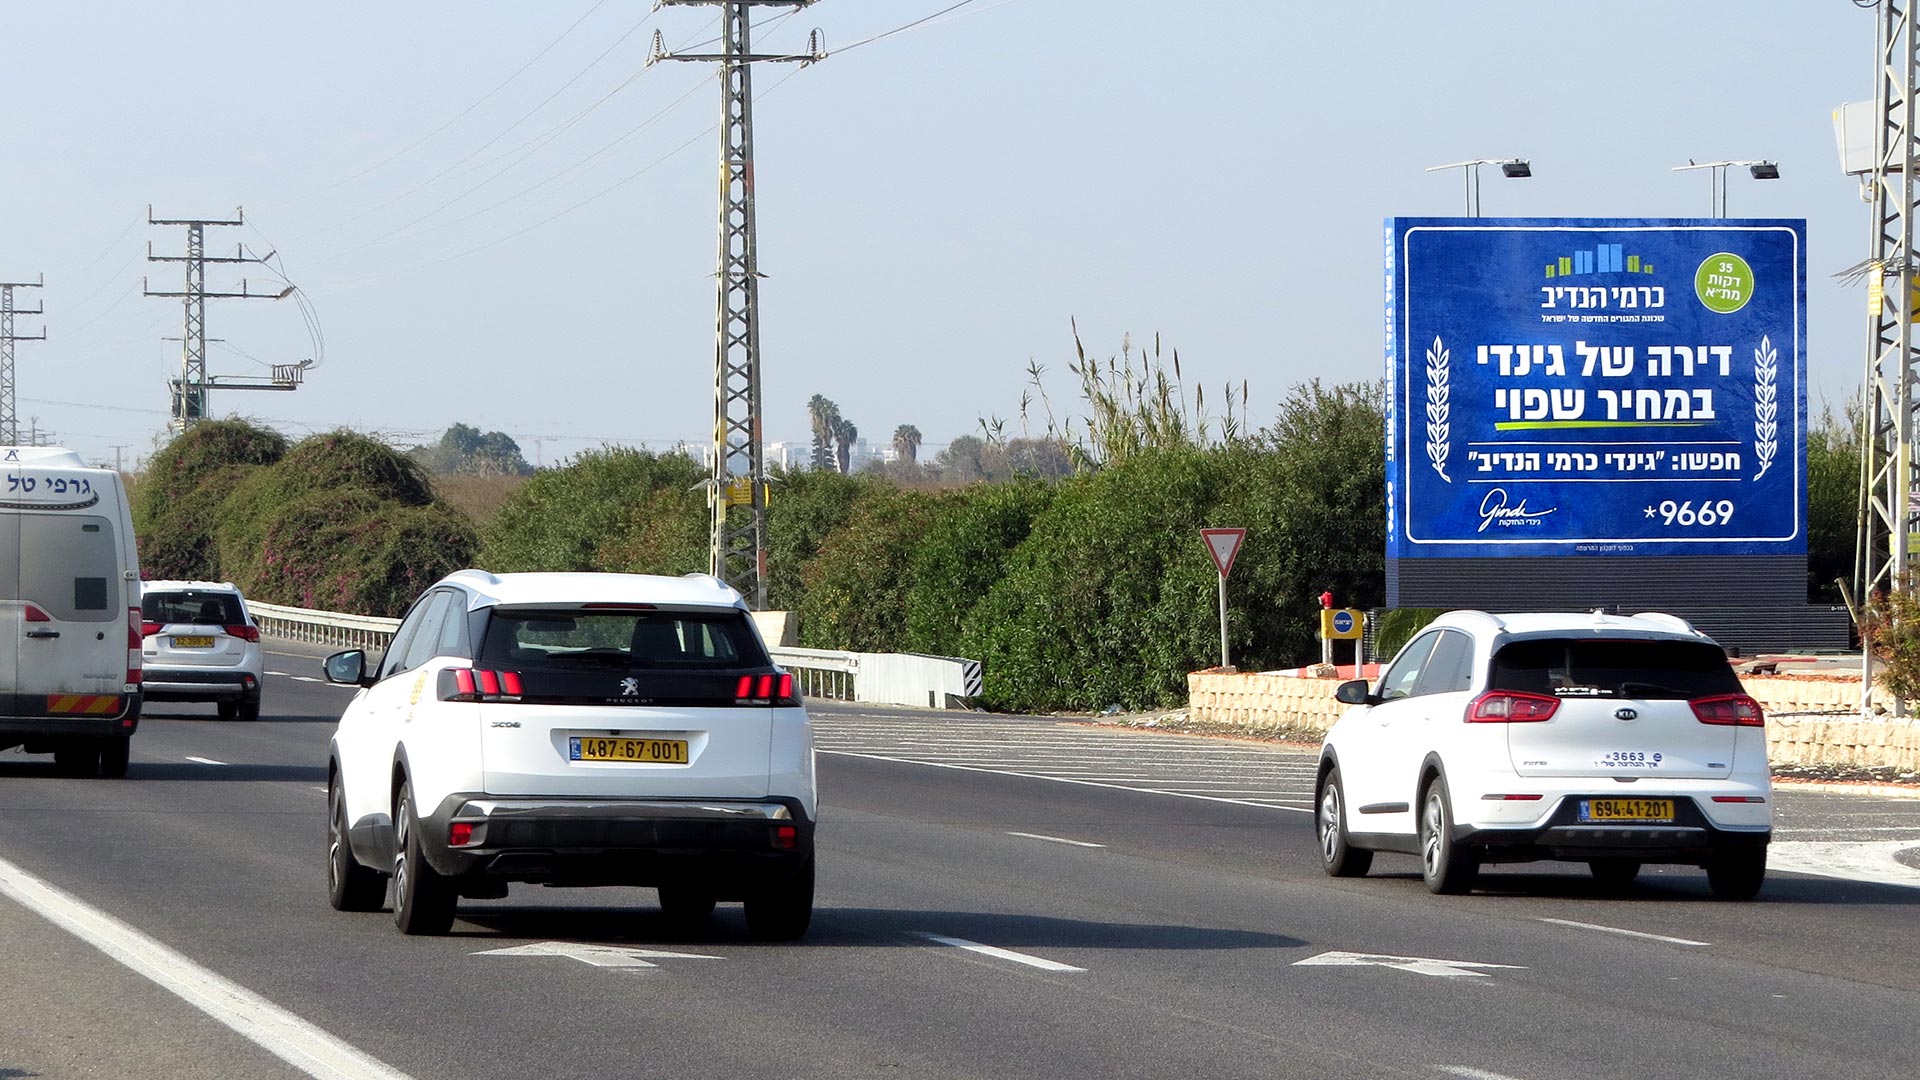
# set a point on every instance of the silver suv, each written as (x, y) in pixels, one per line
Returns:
(199, 643)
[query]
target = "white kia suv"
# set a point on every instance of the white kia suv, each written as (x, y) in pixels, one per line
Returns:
(199, 643)
(573, 729)
(1611, 740)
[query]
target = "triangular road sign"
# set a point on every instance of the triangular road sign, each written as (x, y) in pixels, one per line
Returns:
(1223, 545)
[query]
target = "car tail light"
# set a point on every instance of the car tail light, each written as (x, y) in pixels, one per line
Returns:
(1729, 710)
(483, 684)
(1511, 707)
(136, 633)
(460, 834)
(1739, 798)
(148, 629)
(34, 614)
(786, 837)
(776, 689)
(243, 632)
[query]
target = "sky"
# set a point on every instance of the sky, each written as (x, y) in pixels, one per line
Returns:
(501, 216)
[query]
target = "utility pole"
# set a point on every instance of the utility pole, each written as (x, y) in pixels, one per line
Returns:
(738, 477)
(189, 391)
(9, 421)
(117, 449)
(1886, 460)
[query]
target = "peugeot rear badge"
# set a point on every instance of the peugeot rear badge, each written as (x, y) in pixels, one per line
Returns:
(1625, 714)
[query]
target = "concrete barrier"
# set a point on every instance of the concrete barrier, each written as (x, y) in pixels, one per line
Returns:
(1810, 720)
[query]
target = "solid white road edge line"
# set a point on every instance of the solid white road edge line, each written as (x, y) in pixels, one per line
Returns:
(204, 760)
(1468, 1072)
(1000, 954)
(1056, 839)
(1067, 780)
(1624, 933)
(279, 1032)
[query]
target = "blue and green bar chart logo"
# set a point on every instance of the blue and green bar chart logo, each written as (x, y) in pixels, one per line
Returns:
(1603, 259)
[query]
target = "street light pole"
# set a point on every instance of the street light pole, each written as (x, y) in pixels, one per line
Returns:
(1717, 179)
(1511, 168)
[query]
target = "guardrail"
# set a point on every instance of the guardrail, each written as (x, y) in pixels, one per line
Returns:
(939, 682)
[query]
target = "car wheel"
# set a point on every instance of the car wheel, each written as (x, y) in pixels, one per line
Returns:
(78, 758)
(1614, 874)
(249, 710)
(684, 906)
(781, 910)
(423, 900)
(1737, 875)
(1337, 855)
(350, 886)
(1445, 866)
(114, 752)
(228, 709)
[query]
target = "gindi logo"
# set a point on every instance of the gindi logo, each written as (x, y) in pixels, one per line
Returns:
(1724, 282)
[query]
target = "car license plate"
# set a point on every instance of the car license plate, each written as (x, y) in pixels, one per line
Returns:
(1653, 810)
(650, 751)
(192, 641)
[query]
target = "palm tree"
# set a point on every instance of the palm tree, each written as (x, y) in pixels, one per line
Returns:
(906, 444)
(826, 419)
(844, 434)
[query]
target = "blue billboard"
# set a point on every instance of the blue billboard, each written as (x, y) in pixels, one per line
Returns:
(1582, 387)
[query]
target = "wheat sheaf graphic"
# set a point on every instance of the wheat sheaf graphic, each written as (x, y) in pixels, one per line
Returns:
(1439, 433)
(1766, 405)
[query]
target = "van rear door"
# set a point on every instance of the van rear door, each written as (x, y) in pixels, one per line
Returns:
(72, 646)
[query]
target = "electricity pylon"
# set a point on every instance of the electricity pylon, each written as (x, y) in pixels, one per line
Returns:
(738, 477)
(9, 421)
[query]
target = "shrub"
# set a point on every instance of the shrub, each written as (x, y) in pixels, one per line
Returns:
(209, 449)
(351, 551)
(178, 542)
(670, 532)
(559, 518)
(857, 585)
(963, 552)
(803, 508)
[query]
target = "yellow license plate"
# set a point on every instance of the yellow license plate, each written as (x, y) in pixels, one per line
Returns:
(646, 751)
(1655, 810)
(192, 641)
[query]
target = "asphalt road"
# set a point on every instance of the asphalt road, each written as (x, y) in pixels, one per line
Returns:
(999, 897)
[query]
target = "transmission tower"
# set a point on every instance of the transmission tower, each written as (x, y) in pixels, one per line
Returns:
(9, 422)
(738, 478)
(189, 391)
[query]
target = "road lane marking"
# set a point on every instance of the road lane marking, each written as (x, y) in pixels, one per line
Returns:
(1068, 780)
(1001, 954)
(1468, 1072)
(275, 1030)
(603, 956)
(204, 761)
(1624, 933)
(1056, 839)
(1419, 965)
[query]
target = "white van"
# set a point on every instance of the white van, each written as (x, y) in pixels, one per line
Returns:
(69, 611)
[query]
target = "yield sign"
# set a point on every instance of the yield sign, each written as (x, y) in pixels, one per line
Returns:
(1446, 969)
(607, 956)
(1223, 545)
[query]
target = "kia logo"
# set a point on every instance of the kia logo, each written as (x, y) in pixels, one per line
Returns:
(1625, 714)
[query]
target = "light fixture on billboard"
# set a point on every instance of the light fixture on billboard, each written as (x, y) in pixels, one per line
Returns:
(1717, 179)
(1511, 168)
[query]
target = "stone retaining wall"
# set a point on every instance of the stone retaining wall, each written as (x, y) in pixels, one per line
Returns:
(1810, 720)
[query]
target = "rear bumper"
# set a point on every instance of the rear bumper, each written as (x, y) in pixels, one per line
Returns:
(1690, 838)
(194, 684)
(721, 845)
(16, 728)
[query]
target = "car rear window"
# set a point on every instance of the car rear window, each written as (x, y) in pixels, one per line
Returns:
(197, 607)
(631, 640)
(1570, 667)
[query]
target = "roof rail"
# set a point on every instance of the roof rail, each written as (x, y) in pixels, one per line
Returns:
(1497, 621)
(1674, 621)
(475, 576)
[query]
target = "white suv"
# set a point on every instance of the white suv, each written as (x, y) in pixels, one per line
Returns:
(573, 729)
(1611, 740)
(199, 643)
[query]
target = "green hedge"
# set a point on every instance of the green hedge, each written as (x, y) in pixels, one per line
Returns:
(566, 518)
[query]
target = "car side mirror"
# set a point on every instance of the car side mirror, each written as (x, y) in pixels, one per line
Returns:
(348, 667)
(1354, 693)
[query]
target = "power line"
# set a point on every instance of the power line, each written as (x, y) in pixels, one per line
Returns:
(914, 24)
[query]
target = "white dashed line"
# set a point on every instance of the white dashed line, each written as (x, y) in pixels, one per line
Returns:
(1624, 933)
(1000, 954)
(1468, 1072)
(205, 761)
(279, 1032)
(1056, 839)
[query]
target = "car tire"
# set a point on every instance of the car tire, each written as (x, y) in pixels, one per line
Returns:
(249, 710)
(782, 910)
(1338, 856)
(1737, 875)
(115, 750)
(1614, 875)
(684, 906)
(350, 886)
(1445, 866)
(228, 709)
(423, 900)
(78, 758)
